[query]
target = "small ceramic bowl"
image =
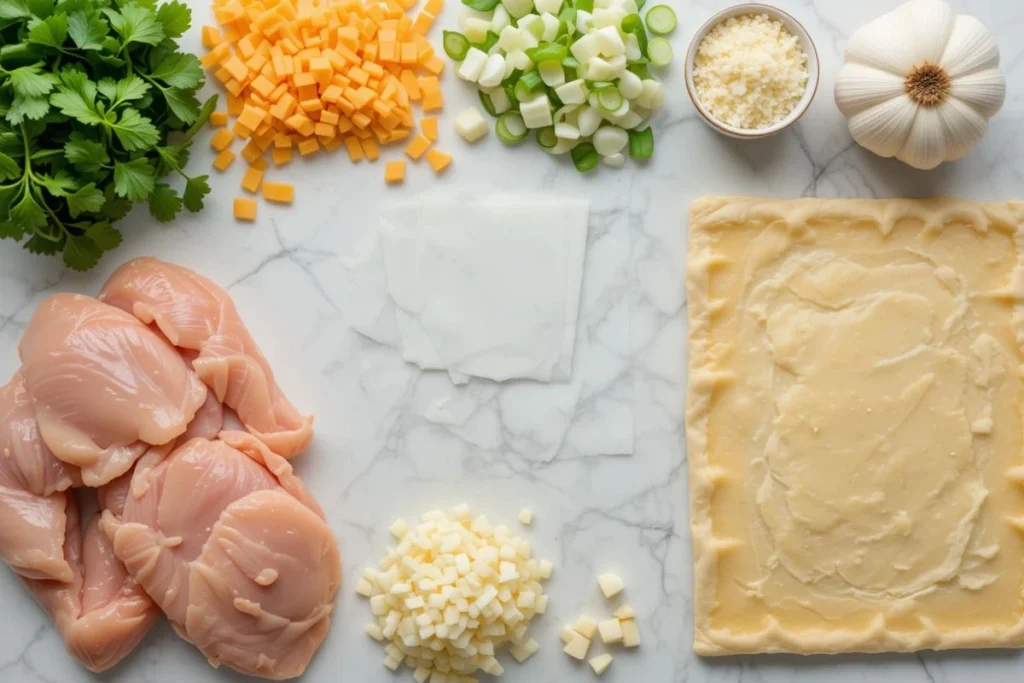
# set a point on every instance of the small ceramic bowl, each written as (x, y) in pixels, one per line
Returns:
(806, 43)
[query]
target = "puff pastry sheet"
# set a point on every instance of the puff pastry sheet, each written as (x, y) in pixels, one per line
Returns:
(855, 424)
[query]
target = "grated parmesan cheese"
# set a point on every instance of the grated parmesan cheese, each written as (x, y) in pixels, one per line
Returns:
(750, 71)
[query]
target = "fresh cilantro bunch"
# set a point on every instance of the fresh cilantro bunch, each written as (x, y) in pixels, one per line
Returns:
(89, 92)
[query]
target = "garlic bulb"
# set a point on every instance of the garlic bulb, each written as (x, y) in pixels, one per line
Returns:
(920, 84)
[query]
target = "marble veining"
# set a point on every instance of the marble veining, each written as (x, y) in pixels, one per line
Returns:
(378, 454)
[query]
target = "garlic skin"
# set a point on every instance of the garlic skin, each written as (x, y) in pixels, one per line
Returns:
(920, 84)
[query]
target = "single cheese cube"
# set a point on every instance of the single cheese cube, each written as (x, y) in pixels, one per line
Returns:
(223, 160)
(417, 147)
(540, 606)
(219, 118)
(625, 612)
(399, 529)
(244, 209)
(373, 630)
(282, 193)
(585, 626)
(421, 674)
(252, 179)
(601, 663)
(611, 585)
(577, 647)
(438, 161)
(566, 634)
(610, 630)
(428, 124)
(630, 633)
(521, 654)
(526, 516)
(212, 37)
(222, 139)
(364, 588)
(281, 155)
(470, 125)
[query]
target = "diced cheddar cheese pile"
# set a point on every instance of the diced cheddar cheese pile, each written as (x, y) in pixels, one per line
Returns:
(306, 75)
(451, 594)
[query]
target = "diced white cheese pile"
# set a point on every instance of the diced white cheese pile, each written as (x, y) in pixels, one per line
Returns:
(451, 594)
(750, 71)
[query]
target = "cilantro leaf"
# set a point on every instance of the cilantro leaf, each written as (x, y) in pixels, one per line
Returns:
(81, 252)
(136, 24)
(182, 104)
(135, 131)
(58, 185)
(85, 199)
(29, 81)
(77, 98)
(195, 189)
(52, 31)
(164, 203)
(43, 246)
(104, 235)
(88, 156)
(14, 9)
(8, 229)
(87, 30)
(175, 17)
(116, 207)
(134, 179)
(27, 213)
(124, 90)
(179, 70)
(22, 108)
(9, 168)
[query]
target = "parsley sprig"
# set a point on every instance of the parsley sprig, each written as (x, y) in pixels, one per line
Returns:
(97, 108)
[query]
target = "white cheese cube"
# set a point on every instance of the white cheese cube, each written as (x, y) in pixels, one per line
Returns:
(421, 674)
(610, 630)
(364, 588)
(379, 605)
(493, 72)
(550, 23)
(526, 516)
(518, 8)
(551, 73)
(611, 585)
(475, 29)
(630, 633)
(374, 631)
(501, 19)
(527, 599)
(549, 6)
(625, 612)
(577, 647)
(601, 663)
(546, 567)
(524, 652)
(541, 604)
(536, 113)
(586, 627)
(471, 126)
(473, 65)
(573, 92)
(391, 663)
(586, 48)
(399, 529)
(566, 634)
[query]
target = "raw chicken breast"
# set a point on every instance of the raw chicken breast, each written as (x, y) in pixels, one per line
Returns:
(246, 568)
(32, 516)
(104, 385)
(195, 313)
(101, 613)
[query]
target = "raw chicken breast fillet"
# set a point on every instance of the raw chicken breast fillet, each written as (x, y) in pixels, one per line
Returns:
(101, 613)
(104, 385)
(228, 542)
(195, 313)
(32, 482)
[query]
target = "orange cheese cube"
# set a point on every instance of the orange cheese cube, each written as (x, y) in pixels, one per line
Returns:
(237, 68)
(433, 102)
(244, 209)
(235, 105)
(251, 117)
(212, 37)
(308, 146)
(300, 123)
(222, 139)
(251, 151)
(282, 193)
(241, 130)
(218, 118)
(259, 164)
(409, 53)
(424, 20)
(252, 179)
(281, 155)
(223, 160)
(434, 64)
(263, 85)
(416, 148)
(355, 150)
(438, 160)
(411, 85)
(330, 117)
(370, 149)
(428, 124)
(325, 130)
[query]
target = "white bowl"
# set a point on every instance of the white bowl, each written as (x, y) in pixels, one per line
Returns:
(806, 43)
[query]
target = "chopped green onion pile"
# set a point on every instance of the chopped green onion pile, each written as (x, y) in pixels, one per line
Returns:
(576, 72)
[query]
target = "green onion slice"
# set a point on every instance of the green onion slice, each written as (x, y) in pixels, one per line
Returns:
(488, 42)
(641, 143)
(609, 99)
(631, 23)
(585, 5)
(639, 68)
(456, 45)
(485, 101)
(584, 157)
(510, 128)
(660, 51)
(481, 5)
(660, 19)
(547, 52)
(546, 137)
(528, 83)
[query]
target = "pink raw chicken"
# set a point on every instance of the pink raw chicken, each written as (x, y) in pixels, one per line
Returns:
(104, 385)
(247, 570)
(195, 313)
(32, 483)
(101, 613)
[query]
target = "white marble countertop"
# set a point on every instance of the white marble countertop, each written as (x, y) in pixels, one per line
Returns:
(375, 455)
